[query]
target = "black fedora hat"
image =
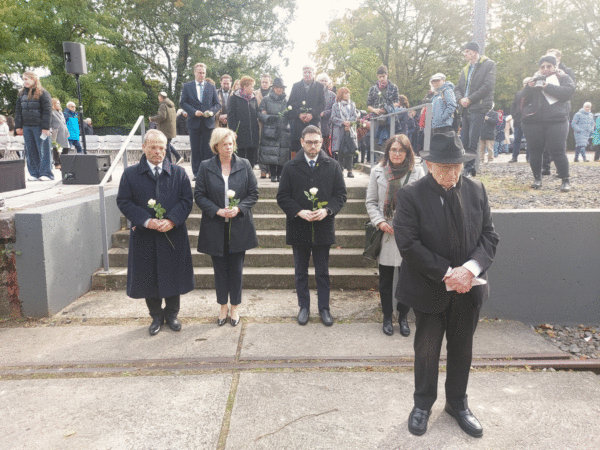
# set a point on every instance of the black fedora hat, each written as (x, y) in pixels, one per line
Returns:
(446, 148)
(278, 83)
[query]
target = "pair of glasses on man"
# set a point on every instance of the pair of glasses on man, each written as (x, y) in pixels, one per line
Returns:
(312, 143)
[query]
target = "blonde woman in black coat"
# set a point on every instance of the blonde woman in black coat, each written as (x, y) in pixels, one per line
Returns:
(226, 190)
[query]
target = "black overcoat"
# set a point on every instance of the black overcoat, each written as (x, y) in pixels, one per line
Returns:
(154, 268)
(210, 197)
(315, 104)
(422, 238)
(242, 117)
(298, 178)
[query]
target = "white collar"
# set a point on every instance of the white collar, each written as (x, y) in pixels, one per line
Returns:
(152, 166)
(308, 160)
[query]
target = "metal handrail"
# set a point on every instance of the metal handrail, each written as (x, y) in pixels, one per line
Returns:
(122, 153)
(427, 130)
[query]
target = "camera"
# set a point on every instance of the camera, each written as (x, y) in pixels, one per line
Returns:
(539, 80)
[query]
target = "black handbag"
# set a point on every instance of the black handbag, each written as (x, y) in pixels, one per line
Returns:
(271, 130)
(348, 145)
(373, 237)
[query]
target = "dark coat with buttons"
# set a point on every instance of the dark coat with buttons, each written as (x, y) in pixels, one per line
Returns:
(32, 112)
(242, 117)
(297, 178)
(154, 268)
(210, 197)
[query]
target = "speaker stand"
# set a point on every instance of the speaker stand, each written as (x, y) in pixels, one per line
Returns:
(81, 127)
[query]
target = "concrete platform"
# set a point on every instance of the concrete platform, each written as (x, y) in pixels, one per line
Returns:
(113, 413)
(370, 411)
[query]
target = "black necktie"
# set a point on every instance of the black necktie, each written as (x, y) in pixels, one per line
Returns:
(156, 174)
(312, 164)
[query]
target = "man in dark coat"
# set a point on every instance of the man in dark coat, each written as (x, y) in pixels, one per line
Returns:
(160, 261)
(475, 95)
(223, 96)
(517, 115)
(307, 100)
(444, 231)
(199, 99)
(310, 224)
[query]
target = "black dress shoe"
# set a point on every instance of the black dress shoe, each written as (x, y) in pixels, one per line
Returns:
(565, 186)
(388, 327)
(417, 421)
(466, 420)
(155, 326)
(537, 183)
(326, 317)
(544, 172)
(303, 316)
(221, 322)
(404, 328)
(234, 322)
(174, 323)
(350, 175)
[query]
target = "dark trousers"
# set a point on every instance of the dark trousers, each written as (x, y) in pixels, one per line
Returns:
(469, 135)
(551, 137)
(275, 170)
(596, 149)
(249, 153)
(170, 310)
(171, 151)
(228, 273)
(199, 143)
(517, 141)
(320, 254)
(75, 143)
(386, 294)
(458, 321)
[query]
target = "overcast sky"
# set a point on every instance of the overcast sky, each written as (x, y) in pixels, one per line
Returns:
(311, 20)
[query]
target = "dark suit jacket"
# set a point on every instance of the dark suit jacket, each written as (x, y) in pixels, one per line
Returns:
(296, 179)
(421, 235)
(190, 103)
(315, 104)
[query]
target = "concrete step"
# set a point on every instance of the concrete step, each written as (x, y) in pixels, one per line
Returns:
(264, 257)
(269, 206)
(266, 238)
(254, 278)
(354, 192)
(277, 221)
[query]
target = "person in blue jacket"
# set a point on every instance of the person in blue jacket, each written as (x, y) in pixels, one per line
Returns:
(72, 119)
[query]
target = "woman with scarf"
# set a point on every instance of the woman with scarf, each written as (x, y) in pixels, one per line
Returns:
(545, 121)
(343, 115)
(395, 170)
(242, 118)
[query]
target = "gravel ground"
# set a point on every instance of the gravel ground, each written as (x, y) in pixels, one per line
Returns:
(508, 185)
(580, 341)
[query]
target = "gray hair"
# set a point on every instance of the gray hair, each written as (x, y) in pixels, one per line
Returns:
(587, 103)
(71, 103)
(155, 135)
(323, 77)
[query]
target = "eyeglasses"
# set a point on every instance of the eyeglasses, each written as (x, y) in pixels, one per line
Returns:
(312, 143)
(396, 152)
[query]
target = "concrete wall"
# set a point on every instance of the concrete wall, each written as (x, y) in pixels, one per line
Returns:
(547, 267)
(61, 247)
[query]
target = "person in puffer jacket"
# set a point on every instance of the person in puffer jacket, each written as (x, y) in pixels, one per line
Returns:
(33, 116)
(72, 119)
(444, 103)
(583, 127)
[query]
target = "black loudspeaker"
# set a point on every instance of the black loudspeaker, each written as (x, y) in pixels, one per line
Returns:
(84, 169)
(12, 175)
(75, 62)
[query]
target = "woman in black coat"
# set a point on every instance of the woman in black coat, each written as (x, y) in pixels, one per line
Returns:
(545, 120)
(242, 118)
(226, 190)
(33, 116)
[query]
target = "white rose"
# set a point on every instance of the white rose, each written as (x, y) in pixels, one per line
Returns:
(230, 193)
(313, 191)
(210, 114)
(303, 102)
(151, 203)
(290, 107)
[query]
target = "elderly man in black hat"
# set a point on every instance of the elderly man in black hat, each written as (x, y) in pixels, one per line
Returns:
(444, 231)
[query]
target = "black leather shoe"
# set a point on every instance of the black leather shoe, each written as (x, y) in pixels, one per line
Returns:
(417, 421)
(512, 161)
(404, 328)
(235, 322)
(221, 322)
(537, 183)
(155, 326)
(350, 175)
(273, 179)
(174, 323)
(326, 317)
(466, 420)
(303, 316)
(565, 186)
(544, 172)
(388, 327)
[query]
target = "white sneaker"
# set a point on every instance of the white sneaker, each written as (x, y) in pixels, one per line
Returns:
(32, 178)
(179, 161)
(45, 178)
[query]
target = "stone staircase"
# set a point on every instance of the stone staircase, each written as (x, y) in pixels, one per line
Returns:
(271, 264)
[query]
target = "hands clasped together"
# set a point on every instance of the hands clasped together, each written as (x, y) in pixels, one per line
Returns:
(313, 216)
(459, 279)
(228, 213)
(162, 225)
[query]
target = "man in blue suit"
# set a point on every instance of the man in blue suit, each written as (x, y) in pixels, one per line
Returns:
(199, 99)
